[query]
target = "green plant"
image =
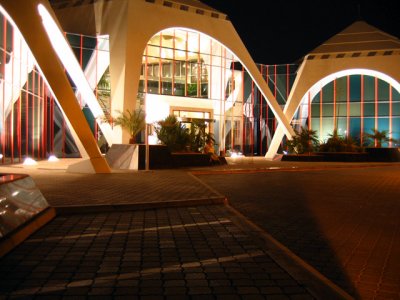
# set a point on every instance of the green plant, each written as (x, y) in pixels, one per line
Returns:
(173, 133)
(132, 121)
(199, 136)
(335, 143)
(304, 141)
(378, 137)
(338, 143)
(192, 89)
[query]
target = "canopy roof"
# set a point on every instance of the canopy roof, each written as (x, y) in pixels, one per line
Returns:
(359, 36)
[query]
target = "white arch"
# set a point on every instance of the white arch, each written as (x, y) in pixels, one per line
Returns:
(309, 80)
(316, 88)
(270, 100)
(146, 20)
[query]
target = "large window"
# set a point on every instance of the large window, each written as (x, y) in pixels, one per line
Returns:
(180, 63)
(353, 105)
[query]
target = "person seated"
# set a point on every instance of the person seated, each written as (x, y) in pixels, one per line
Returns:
(209, 149)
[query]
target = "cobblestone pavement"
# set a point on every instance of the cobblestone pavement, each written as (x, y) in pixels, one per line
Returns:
(167, 253)
(76, 189)
(345, 222)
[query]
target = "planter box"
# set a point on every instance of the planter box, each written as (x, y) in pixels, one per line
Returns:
(370, 155)
(345, 156)
(125, 156)
(180, 160)
(159, 157)
(302, 157)
(383, 154)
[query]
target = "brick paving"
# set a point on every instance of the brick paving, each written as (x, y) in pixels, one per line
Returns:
(166, 253)
(63, 189)
(345, 222)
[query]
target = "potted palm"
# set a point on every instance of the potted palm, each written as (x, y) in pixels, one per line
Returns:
(304, 141)
(379, 137)
(379, 153)
(131, 121)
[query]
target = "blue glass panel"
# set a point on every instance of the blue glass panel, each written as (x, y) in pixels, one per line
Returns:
(341, 89)
(369, 109)
(383, 109)
(341, 109)
(369, 89)
(341, 125)
(383, 91)
(396, 109)
(395, 95)
(327, 93)
(355, 128)
(315, 126)
(327, 110)
(315, 110)
(327, 127)
(396, 131)
(355, 88)
(355, 109)
(369, 125)
(383, 124)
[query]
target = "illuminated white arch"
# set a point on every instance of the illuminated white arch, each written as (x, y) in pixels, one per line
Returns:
(25, 14)
(156, 110)
(70, 63)
(234, 95)
(14, 91)
(316, 88)
(309, 80)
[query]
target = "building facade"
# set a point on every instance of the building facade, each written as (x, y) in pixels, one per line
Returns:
(87, 60)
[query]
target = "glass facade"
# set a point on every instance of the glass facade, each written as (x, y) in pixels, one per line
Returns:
(353, 105)
(31, 122)
(193, 71)
(192, 76)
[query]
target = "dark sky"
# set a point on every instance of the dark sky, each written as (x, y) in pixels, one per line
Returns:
(282, 31)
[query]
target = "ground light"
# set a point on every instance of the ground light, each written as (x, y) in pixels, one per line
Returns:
(29, 162)
(52, 158)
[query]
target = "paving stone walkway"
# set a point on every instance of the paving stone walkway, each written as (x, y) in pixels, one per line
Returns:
(345, 222)
(167, 253)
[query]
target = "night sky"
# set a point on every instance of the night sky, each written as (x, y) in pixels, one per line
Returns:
(282, 31)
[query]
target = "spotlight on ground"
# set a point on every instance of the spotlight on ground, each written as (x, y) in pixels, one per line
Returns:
(52, 158)
(29, 162)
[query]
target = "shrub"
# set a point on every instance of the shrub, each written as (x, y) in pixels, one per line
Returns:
(338, 143)
(173, 134)
(304, 141)
(199, 137)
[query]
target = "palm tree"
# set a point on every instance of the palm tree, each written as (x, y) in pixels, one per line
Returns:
(379, 137)
(335, 143)
(304, 141)
(132, 121)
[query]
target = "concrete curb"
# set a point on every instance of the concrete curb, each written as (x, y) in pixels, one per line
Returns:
(289, 169)
(316, 283)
